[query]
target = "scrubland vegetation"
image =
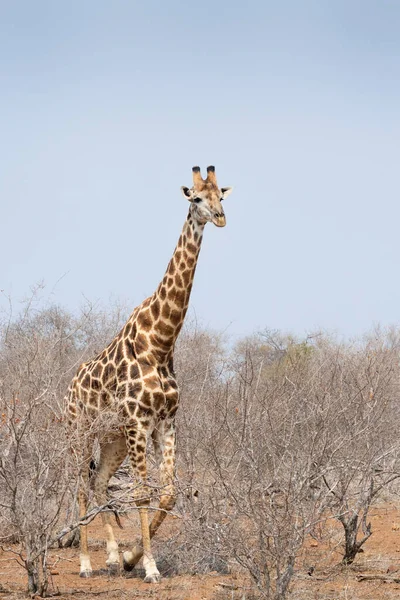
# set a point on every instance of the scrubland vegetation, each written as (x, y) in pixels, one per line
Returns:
(276, 436)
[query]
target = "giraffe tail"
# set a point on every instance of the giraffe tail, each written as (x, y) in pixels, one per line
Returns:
(92, 468)
(118, 520)
(92, 473)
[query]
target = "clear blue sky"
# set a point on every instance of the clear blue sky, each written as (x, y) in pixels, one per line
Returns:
(106, 106)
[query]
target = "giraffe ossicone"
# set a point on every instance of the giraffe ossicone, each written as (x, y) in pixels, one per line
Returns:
(132, 381)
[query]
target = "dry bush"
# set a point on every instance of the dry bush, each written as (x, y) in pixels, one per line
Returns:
(361, 386)
(241, 439)
(264, 494)
(286, 435)
(39, 349)
(35, 353)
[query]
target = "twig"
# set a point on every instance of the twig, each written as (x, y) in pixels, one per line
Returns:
(99, 593)
(384, 578)
(228, 586)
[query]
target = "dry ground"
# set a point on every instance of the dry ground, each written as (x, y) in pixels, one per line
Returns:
(380, 563)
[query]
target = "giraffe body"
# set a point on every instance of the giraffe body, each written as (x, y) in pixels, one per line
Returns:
(132, 385)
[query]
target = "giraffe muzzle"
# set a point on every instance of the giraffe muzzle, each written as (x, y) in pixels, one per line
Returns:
(219, 220)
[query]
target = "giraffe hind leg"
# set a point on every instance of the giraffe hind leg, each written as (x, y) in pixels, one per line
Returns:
(83, 493)
(112, 454)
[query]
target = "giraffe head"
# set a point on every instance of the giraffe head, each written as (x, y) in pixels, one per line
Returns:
(206, 197)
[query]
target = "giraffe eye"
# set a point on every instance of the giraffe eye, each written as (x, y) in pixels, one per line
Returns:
(196, 200)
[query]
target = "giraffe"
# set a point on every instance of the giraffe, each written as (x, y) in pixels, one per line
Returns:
(133, 379)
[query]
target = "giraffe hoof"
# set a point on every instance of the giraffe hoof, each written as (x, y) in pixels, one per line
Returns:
(127, 566)
(113, 569)
(153, 578)
(85, 574)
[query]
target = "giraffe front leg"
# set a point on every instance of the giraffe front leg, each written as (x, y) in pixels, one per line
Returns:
(164, 444)
(167, 440)
(136, 438)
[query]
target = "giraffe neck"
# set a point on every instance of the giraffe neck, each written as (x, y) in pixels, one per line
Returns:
(167, 307)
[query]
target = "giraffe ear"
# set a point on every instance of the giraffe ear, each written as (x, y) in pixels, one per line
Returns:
(188, 194)
(225, 192)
